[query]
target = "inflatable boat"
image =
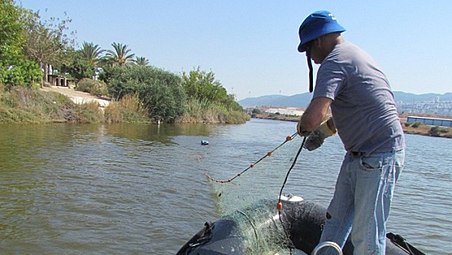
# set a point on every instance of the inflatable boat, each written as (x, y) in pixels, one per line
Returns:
(261, 229)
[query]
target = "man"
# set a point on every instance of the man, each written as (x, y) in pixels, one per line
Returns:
(363, 110)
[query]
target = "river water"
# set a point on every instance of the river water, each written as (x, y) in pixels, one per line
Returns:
(142, 189)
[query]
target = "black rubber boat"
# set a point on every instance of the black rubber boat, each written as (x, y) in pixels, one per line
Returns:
(247, 231)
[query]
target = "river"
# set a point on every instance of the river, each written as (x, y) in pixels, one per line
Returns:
(142, 189)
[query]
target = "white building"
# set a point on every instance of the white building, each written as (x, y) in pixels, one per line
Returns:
(285, 110)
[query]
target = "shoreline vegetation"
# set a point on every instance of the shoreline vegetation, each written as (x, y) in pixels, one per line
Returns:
(415, 128)
(52, 104)
(37, 53)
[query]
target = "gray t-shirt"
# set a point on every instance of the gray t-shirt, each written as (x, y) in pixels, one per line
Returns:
(363, 107)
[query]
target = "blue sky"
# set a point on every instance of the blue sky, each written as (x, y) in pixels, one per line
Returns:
(251, 46)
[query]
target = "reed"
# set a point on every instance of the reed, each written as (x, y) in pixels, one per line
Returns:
(127, 109)
(212, 113)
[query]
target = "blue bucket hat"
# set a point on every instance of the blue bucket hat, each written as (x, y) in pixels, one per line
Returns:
(315, 25)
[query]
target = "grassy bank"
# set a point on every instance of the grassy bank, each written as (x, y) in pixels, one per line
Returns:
(24, 105)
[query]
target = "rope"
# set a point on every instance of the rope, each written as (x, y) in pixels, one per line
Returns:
(290, 169)
(288, 138)
(279, 205)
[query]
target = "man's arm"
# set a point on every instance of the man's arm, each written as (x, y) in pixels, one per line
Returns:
(315, 114)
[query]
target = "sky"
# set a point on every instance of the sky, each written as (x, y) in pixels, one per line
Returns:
(251, 45)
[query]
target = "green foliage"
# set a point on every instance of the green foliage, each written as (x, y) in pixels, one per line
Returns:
(89, 113)
(202, 86)
(129, 109)
(47, 41)
(142, 61)
(416, 124)
(159, 91)
(120, 55)
(437, 131)
(256, 111)
(97, 88)
(15, 68)
(208, 100)
(91, 53)
(202, 111)
(163, 102)
(11, 31)
(20, 72)
(85, 61)
(79, 68)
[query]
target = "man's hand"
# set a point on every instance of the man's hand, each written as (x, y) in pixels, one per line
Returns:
(315, 140)
(314, 115)
(302, 132)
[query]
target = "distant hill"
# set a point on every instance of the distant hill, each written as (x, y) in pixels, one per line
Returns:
(422, 98)
(298, 100)
(302, 100)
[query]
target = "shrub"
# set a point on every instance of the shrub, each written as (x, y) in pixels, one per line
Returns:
(128, 109)
(416, 124)
(89, 113)
(96, 88)
(203, 111)
(159, 91)
(256, 111)
(436, 131)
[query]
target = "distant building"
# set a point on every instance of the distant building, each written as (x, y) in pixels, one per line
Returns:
(435, 106)
(430, 121)
(285, 110)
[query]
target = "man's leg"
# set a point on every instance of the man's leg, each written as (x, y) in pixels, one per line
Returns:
(340, 211)
(375, 181)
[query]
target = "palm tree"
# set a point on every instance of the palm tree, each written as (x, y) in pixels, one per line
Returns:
(142, 61)
(120, 56)
(91, 53)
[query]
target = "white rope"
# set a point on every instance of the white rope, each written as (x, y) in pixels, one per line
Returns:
(326, 244)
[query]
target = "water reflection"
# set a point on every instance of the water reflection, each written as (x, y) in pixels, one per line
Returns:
(163, 133)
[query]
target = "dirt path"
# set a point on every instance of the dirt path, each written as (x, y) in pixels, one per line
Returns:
(77, 97)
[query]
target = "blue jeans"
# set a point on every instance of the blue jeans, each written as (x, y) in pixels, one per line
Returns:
(362, 199)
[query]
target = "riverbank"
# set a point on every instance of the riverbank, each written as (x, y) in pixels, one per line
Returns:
(425, 130)
(64, 104)
(77, 97)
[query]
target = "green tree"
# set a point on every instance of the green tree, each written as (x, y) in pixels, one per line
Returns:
(85, 61)
(160, 91)
(79, 68)
(142, 61)
(91, 53)
(121, 55)
(203, 87)
(11, 30)
(47, 41)
(15, 68)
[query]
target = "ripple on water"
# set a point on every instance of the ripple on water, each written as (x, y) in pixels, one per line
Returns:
(137, 190)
